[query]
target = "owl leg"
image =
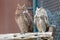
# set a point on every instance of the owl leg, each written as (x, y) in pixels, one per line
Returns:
(43, 31)
(22, 32)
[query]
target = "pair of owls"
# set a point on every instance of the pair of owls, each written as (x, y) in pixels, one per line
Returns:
(24, 19)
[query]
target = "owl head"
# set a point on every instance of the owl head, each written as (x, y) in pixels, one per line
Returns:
(21, 9)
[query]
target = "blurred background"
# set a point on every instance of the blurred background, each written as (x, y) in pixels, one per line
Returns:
(7, 14)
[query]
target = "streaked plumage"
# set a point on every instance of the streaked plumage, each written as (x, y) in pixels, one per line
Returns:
(41, 19)
(23, 19)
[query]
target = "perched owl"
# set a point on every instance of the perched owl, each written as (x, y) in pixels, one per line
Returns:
(23, 19)
(41, 19)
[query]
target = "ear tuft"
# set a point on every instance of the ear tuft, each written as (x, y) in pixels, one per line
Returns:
(24, 6)
(18, 6)
(37, 8)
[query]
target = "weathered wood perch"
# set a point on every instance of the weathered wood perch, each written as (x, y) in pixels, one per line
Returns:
(25, 36)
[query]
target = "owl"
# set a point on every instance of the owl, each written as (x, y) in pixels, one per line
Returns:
(41, 19)
(23, 19)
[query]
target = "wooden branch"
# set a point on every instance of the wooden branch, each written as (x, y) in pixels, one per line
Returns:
(25, 36)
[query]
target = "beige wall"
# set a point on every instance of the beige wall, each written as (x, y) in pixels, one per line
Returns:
(7, 9)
